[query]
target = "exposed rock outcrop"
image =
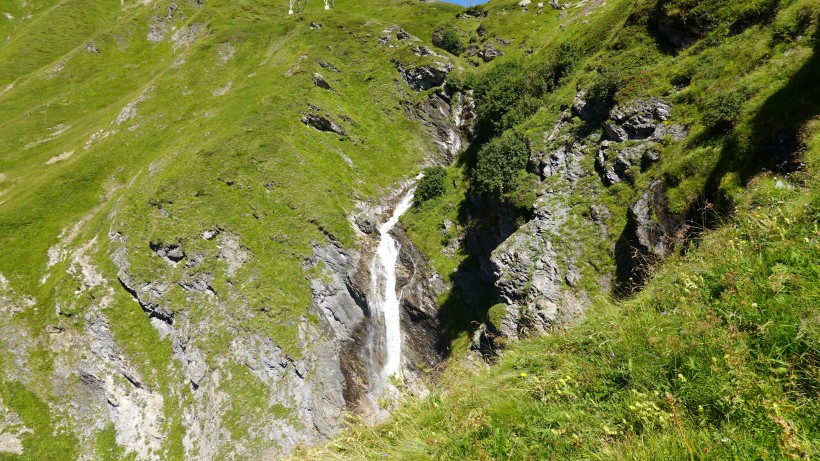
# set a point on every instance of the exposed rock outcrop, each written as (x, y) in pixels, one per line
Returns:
(422, 78)
(320, 81)
(449, 116)
(537, 271)
(646, 122)
(318, 119)
(652, 233)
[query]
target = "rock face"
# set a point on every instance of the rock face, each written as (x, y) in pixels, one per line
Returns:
(320, 81)
(538, 271)
(448, 113)
(646, 123)
(424, 77)
(490, 53)
(652, 233)
(449, 116)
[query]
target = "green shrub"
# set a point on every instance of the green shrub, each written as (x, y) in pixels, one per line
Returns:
(522, 193)
(608, 81)
(432, 185)
(721, 111)
(564, 61)
(451, 41)
(697, 17)
(794, 23)
(498, 164)
(498, 91)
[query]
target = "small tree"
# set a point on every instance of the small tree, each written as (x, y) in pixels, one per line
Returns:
(606, 84)
(565, 60)
(451, 41)
(432, 185)
(721, 111)
(498, 163)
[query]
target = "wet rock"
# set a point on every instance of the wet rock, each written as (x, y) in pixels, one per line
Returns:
(420, 288)
(367, 224)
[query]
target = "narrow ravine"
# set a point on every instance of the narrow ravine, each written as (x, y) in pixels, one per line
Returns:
(385, 338)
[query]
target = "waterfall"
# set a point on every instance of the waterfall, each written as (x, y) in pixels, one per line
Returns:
(385, 337)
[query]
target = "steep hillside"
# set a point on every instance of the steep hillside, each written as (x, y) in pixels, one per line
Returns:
(612, 252)
(642, 188)
(169, 171)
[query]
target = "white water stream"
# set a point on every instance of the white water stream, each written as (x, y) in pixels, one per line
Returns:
(384, 300)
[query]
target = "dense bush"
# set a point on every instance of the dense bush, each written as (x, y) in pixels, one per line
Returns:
(432, 185)
(721, 111)
(795, 22)
(510, 92)
(564, 61)
(497, 92)
(451, 41)
(605, 85)
(498, 164)
(522, 193)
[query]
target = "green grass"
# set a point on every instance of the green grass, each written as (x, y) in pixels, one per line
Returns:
(192, 160)
(48, 440)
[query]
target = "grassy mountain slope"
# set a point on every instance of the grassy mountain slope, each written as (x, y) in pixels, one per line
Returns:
(716, 357)
(128, 126)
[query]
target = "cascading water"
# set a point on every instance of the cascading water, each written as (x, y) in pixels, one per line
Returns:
(385, 334)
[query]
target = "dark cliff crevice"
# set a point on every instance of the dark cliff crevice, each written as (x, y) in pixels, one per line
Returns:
(153, 311)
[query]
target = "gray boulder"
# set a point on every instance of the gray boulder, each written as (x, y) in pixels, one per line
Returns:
(320, 81)
(317, 119)
(490, 53)
(424, 77)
